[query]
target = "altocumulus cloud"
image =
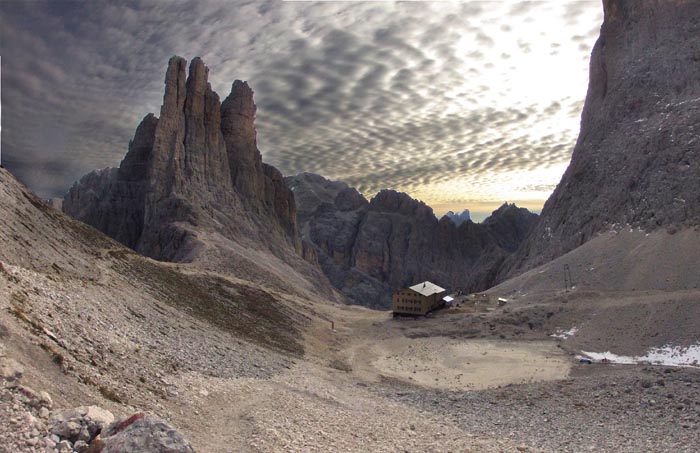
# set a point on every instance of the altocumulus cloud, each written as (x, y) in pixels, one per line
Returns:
(461, 104)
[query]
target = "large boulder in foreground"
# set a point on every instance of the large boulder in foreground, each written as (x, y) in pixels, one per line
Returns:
(81, 424)
(637, 158)
(91, 429)
(143, 433)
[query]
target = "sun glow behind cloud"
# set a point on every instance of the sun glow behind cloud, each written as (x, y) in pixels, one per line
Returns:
(541, 67)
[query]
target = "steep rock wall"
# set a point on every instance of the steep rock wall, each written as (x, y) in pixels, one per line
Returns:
(637, 158)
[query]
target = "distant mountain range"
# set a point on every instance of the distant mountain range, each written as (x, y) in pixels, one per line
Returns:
(368, 249)
(458, 218)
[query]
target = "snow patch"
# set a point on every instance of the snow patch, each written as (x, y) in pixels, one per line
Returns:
(564, 334)
(666, 355)
(683, 103)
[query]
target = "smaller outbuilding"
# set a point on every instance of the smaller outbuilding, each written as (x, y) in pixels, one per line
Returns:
(448, 300)
(418, 299)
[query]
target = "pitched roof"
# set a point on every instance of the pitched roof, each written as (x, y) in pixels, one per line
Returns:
(426, 288)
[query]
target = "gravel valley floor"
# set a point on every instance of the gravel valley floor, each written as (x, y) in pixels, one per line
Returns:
(464, 379)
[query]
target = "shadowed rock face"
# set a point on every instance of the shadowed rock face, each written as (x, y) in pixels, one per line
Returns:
(370, 249)
(637, 158)
(195, 169)
(509, 226)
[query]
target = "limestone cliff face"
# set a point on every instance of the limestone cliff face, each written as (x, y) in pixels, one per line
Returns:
(187, 172)
(637, 158)
(261, 185)
(190, 176)
(238, 125)
(370, 249)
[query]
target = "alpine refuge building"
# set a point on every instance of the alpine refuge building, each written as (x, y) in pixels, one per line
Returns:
(418, 299)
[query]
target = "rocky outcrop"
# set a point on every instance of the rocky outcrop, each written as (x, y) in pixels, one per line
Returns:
(92, 429)
(85, 429)
(260, 185)
(311, 191)
(370, 249)
(279, 201)
(637, 158)
(237, 124)
(509, 225)
(113, 199)
(79, 426)
(458, 218)
(193, 176)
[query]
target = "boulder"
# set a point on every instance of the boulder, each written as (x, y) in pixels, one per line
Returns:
(143, 433)
(81, 424)
(45, 400)
(10, 369)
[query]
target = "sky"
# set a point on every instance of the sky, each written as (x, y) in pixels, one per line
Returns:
(461, 104)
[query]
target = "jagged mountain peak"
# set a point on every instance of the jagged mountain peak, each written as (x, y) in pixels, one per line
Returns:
(388, 200)
(506, 210)
(193, 187)
(458, 218)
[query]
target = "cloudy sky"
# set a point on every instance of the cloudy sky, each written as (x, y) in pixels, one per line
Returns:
(462, 104)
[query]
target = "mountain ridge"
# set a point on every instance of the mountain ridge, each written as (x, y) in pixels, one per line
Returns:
(368, 249)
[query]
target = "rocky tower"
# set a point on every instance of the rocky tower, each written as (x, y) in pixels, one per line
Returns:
(238, 124)
(637, 158)
(192, 173)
